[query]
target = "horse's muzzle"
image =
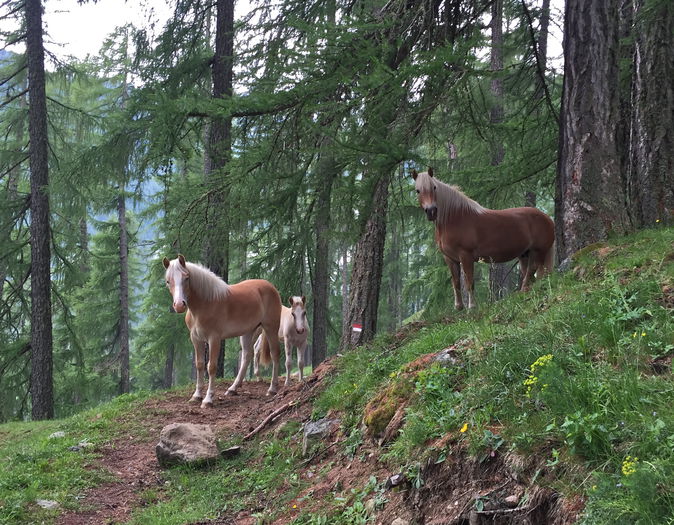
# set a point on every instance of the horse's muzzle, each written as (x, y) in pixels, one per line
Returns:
(180, 307)
(431, 212)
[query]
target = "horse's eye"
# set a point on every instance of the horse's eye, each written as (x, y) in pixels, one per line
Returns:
(418, 191)
(167, 282)
(435, 188)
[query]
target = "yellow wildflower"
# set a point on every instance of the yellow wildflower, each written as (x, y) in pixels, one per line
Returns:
(464, 428)
(629, 466)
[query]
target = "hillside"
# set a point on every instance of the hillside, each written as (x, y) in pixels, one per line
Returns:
(548, 407)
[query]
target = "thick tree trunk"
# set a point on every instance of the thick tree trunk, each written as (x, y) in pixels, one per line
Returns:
(651, 162)
(367, 270)
(41, 380)
(124, 384)
(590, 201)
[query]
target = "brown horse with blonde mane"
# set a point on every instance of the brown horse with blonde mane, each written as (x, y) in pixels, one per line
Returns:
(216, 311)
(466, 232)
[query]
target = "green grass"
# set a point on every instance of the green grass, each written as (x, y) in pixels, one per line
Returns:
(564, 374)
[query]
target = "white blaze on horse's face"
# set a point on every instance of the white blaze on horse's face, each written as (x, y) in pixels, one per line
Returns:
(177, 280)
(425, 186)
(299, 313)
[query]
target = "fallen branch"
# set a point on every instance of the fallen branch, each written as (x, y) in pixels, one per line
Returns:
(269, 419)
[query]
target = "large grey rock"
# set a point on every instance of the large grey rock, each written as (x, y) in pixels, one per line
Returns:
(314, 432)
(186, 443)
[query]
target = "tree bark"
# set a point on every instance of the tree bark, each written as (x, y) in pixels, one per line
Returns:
(124, 384)
(590, 197)
(651, 162)
(326, 173)
(501, 279)
(167, 381)
(218, 153)
(41, 380)
(367, 269)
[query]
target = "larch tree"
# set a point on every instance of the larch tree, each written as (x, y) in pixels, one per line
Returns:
(41, 382)
(590, 198)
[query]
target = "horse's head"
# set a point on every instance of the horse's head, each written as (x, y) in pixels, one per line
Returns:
(425, 185)
(299, 312)
(178, 282)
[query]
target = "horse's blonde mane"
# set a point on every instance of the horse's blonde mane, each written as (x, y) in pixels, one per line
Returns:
(448, 198)
(205, 283)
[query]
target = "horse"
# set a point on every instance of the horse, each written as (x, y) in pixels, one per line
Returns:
(292, 332)
(466, 232)
(216, 311)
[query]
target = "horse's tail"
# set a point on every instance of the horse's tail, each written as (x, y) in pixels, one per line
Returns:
(265, 350)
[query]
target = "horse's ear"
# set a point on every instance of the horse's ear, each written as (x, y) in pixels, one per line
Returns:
(290, 300)
(414, 174)
(304, 300)
(166, 263)
(430, 171)
(181, 260)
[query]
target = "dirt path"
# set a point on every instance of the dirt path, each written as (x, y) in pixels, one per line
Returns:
(132, 461)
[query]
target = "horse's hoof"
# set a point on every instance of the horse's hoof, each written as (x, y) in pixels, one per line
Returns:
(194, 399)
(271, 392)
(207, 405)
(231, 393)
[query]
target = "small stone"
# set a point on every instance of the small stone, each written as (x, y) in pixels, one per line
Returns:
(231, 452)
(511, 501)
(314, 432)
(394, 481)
(400, 521)
(370, 506)
(47, 504)
(57, 435)
(75, 448)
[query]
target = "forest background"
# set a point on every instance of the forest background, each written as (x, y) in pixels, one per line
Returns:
(279, 144)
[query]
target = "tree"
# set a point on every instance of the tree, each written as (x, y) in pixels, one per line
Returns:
(590, 199)
(41, 383)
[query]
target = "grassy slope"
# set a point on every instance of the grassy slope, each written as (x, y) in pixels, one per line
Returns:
(575, 372)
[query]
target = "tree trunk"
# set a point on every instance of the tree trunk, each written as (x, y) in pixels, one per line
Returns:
(326, 173)
(218, 153)
(590, 197)
(167, 381)
(124, 384)
(367, 270)
(41, 380)
(501, 279)
(651, 163)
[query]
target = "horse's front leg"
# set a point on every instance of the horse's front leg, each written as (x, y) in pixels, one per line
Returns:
(301, 350)
(455, 269)
(275, 347)
(213, 355)
(256, 357)
(467, 265)
(199, 348)
(246, 342)
(289, 359)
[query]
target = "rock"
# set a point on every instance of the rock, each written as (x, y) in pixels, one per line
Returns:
(446, 357)
(47, 504)
(314, 432)
(394, 481)
(511, 501)
(57, 435)
(231, 452)
(186, 443)
(400, 521)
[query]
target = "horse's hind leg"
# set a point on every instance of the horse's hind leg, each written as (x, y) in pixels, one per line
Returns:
(213, 354)
(467, 265)
(199, 347)
(246, 342)
(455, 270)
(256, 357)
(275, 347)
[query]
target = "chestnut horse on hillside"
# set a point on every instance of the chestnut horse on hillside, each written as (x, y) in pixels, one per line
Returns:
(466, 232)
(216, 311)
